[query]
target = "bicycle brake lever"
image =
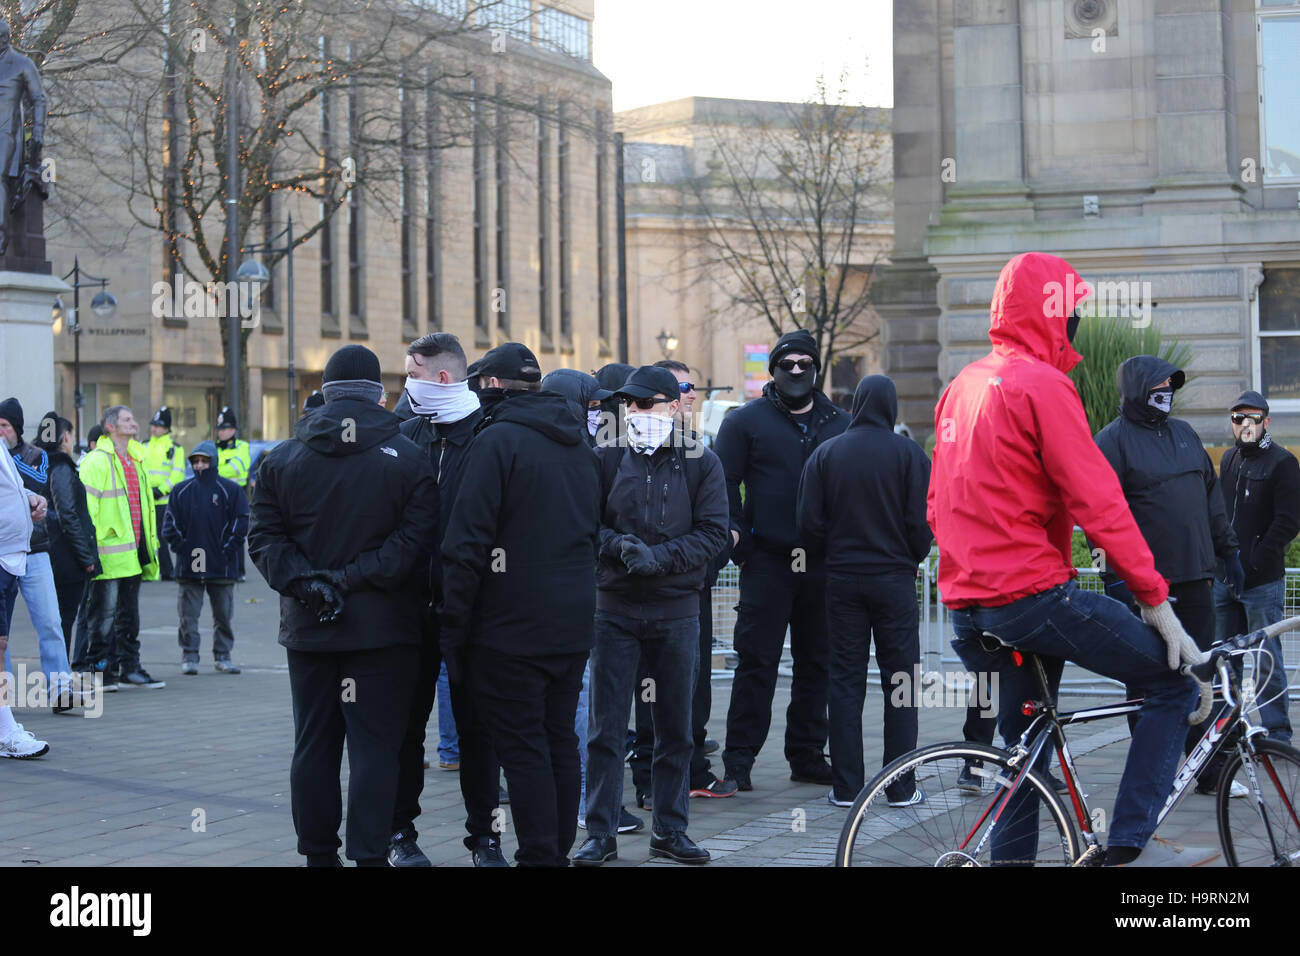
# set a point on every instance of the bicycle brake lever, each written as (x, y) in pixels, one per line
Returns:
(1206, 690)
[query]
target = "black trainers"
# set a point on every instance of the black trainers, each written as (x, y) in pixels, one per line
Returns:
(818, 773)
(716, 788)
(488, 853)
(403, 851)
(743, 783)
(967, 781)
(139, 678)
(710, 746)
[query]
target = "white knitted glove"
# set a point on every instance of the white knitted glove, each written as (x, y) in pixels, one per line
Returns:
(1182, 649)
(1206, 701)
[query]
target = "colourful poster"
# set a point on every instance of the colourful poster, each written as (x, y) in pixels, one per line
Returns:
(755, 368)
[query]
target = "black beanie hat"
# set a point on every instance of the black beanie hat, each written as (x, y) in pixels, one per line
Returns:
(800, 341)
(162, 418)
(12, 412)
(352, 363)
(226, 418)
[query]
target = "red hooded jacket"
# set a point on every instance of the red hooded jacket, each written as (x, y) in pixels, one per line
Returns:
(1015, 466)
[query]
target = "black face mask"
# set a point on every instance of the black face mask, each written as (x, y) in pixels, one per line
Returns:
(793, 390)
(1071, 326)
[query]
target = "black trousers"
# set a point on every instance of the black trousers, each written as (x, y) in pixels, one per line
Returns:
(166, 571)
(410, 759)
(860, 608)
(71, 591)
(701, 774)
(529, 705)
(363, 697)
(772, 596)
(480, 773)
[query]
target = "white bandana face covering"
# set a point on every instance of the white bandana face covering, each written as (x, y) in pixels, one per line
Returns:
(443, 403)
(646, 431)
(593, 421)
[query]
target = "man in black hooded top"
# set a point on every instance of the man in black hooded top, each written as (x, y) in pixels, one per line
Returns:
(764, 445)
(862, 506)
(352, 572)
(1173, 491)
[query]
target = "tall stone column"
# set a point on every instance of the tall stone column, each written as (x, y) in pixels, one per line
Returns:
(27, 338)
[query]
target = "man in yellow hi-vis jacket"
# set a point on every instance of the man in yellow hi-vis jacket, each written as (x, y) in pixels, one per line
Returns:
(164, 460)
(118, 498)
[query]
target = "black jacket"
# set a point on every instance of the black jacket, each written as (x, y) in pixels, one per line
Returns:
(1261, 491)
(205, 523)
(519, 553)
(761, 445)
(1168, 480)
(446, 444)
(34, 467)
(862, 495)
(67, 522)
(347, 493)
(649, 496)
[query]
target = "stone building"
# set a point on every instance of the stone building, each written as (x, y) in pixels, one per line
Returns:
(509, 236)
(1154, 142)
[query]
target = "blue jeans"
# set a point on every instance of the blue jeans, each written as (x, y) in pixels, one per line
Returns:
(580, 726)
(672, 659)
(37, 587)
(1101, 634)
(448, 741)
(1259, 607)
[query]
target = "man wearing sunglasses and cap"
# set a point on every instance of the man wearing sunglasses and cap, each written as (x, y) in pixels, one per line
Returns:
(663, 517)
(764, 445)
(1260, 481)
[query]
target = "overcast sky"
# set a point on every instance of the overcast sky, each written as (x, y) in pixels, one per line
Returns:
(659, 50)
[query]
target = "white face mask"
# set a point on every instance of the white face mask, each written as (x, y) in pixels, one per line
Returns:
(593, 421)
(448, 402)
(646, 431)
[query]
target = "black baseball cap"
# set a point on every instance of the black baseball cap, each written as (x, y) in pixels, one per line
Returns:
(508, 360)
(1251, 399)
(649, 381)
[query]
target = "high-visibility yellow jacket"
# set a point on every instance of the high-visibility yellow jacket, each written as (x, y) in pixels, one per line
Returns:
(165, 462)
(110, 511)
(234, 463)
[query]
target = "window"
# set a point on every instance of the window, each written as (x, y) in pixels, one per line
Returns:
(564, 200)
(564, 32)
(543, 225)
(407, 183)
(513, 16)
(602, 218)
(432, 205)
(1279, 334)
(1279, 88)
(356, 257)
(452, 9)
(329, 320)
(501, 294)
(482, 332)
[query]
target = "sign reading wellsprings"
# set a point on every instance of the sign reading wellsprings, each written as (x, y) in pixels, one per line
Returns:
(184, 298)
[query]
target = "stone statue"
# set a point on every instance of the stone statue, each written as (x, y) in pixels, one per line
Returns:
(20, 93)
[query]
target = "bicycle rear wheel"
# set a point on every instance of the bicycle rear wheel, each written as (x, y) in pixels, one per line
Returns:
(960, 822)
(1262, 829)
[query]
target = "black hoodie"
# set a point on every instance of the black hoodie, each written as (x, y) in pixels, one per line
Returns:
(519, 553)
(861, 499)
(1167, 478)
(347, 493)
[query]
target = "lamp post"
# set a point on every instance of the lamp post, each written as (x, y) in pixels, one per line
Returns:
(667, 342)
(250, 270)
(104, 305)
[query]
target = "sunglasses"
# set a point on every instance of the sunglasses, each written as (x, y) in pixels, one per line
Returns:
(789, 365)
(686, 387)
(645, 404)
(1238, 418)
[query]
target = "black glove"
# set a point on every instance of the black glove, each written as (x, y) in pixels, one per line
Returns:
(452, 644)
(335, 579)
(320, 599)
(158, 493)
(1234, 574)
(613, 548)
(638, 557)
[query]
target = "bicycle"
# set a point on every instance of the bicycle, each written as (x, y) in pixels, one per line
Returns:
(992, 813)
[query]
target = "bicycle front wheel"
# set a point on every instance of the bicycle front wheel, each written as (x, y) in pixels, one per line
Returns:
(1262, 828)
(964, 818)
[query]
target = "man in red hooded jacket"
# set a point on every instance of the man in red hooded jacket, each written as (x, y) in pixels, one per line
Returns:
(1015, 467)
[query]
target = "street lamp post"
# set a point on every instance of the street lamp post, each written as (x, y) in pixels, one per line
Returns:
(104, 304)
(667, 342)
(250, 270)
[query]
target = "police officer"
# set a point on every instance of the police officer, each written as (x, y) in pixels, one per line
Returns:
(164, 462)
(233, 461)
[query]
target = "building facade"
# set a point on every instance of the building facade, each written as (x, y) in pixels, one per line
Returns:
(1155, 144)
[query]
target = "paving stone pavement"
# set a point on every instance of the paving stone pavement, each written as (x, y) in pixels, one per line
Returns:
(197, 773)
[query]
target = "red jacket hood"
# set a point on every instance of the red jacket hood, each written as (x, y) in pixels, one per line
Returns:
(1033, 300)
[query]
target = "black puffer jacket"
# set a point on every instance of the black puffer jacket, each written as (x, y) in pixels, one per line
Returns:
(649, 497)
(519, 553)
(1167, 478)
(1261, 491)
(347, 493)
(761, 445)
(862, 496)
(71, 532)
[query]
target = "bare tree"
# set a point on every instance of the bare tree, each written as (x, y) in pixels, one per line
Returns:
(786, 205)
